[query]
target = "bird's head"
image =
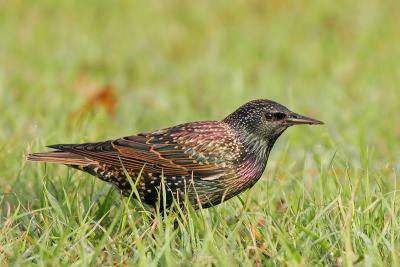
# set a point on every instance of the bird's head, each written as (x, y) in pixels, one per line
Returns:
(265, 119)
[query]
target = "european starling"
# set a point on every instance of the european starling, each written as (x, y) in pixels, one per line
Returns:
(208, 161)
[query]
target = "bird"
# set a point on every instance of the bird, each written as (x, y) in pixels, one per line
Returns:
(205, 162)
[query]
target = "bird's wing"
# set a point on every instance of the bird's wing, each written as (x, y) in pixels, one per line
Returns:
(201, 149)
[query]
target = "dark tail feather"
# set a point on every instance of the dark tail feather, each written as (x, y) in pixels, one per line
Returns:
(60, 157)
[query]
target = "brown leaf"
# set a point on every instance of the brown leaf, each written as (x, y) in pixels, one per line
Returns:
(104, 97)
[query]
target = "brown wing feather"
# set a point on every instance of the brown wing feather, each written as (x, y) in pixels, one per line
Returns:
(187, 149)
(59, 157)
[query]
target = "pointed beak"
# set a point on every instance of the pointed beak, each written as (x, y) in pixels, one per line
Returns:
(295, 118)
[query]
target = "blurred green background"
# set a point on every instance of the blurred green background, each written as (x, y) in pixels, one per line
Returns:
(75, 71)
(176, 61)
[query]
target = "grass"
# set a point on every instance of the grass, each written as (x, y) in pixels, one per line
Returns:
(329, 195)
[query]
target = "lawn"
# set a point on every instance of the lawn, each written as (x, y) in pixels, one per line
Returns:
(78, 71)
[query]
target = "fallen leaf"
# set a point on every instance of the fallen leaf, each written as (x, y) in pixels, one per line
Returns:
(104, 97)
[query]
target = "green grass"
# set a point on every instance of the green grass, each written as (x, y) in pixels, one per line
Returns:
(329, 195)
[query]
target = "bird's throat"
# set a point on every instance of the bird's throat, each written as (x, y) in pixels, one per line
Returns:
(255, 161)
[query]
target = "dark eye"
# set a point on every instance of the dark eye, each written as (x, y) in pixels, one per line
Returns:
(269, 116)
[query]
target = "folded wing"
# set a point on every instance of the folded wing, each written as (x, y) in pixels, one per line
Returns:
(202, 149)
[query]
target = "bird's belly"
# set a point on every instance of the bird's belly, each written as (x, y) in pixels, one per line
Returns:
(200, 192)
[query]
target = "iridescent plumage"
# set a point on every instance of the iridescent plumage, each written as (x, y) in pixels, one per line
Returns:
(208, 162)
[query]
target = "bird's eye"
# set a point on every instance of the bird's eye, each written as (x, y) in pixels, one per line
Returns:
(269, 116)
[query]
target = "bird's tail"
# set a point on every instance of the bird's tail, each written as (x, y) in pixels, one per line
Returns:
(60, 157)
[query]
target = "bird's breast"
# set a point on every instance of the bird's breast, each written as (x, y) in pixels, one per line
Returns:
(251, 170)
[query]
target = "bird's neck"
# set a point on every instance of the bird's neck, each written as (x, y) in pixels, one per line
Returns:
(255, 159)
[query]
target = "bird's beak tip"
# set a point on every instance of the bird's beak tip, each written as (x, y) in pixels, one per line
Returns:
(295, 119)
